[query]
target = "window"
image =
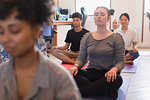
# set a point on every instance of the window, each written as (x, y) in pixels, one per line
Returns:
(147, 7)
(91, 5)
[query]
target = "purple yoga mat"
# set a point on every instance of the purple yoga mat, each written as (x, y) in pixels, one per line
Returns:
(130, 68)
(123, 89)
(121, 92)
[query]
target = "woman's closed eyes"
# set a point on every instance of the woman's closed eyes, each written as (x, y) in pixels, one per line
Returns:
(13, 29)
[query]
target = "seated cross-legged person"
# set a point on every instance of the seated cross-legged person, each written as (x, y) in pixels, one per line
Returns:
(105, 51)
(130, 38)
(72, 40)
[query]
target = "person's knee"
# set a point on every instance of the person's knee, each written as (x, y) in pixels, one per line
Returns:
(55, 52)
(81, 81)
(134, 55)
(118, 82)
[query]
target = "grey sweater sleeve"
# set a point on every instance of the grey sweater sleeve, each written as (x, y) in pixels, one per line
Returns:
(119, 52)
(83, 51)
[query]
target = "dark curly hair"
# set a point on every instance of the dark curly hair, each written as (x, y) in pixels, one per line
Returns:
(33, 11)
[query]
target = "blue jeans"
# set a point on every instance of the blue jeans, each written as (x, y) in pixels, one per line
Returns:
(133, 54)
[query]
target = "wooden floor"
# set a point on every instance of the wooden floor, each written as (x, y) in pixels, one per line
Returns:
(139, 87)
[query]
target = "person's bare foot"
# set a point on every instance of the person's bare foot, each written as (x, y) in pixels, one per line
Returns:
(68, 62)
(73, 59)
(129, 62)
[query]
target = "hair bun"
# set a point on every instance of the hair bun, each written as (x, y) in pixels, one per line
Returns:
(111, 12)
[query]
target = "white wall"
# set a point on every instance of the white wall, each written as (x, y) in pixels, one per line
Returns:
(67, 4)
(90, 25)
(146, 37)
(61, 35)
(133, 7)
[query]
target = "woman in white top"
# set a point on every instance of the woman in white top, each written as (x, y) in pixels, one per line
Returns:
(130, 38)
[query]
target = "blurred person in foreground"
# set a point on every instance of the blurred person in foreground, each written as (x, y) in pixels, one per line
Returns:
(29, 75)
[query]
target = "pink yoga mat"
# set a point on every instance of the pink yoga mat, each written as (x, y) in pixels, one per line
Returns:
(68, 66)
(127, 69)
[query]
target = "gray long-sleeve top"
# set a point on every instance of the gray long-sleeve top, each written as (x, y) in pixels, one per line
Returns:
(103, 54)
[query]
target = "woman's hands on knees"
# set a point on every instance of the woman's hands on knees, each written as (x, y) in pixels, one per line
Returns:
(111, 75)
(73, 70)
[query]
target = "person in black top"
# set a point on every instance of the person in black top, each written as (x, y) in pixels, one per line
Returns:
(64, 53)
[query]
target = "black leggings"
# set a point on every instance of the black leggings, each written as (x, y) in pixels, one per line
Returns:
(92, 82)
